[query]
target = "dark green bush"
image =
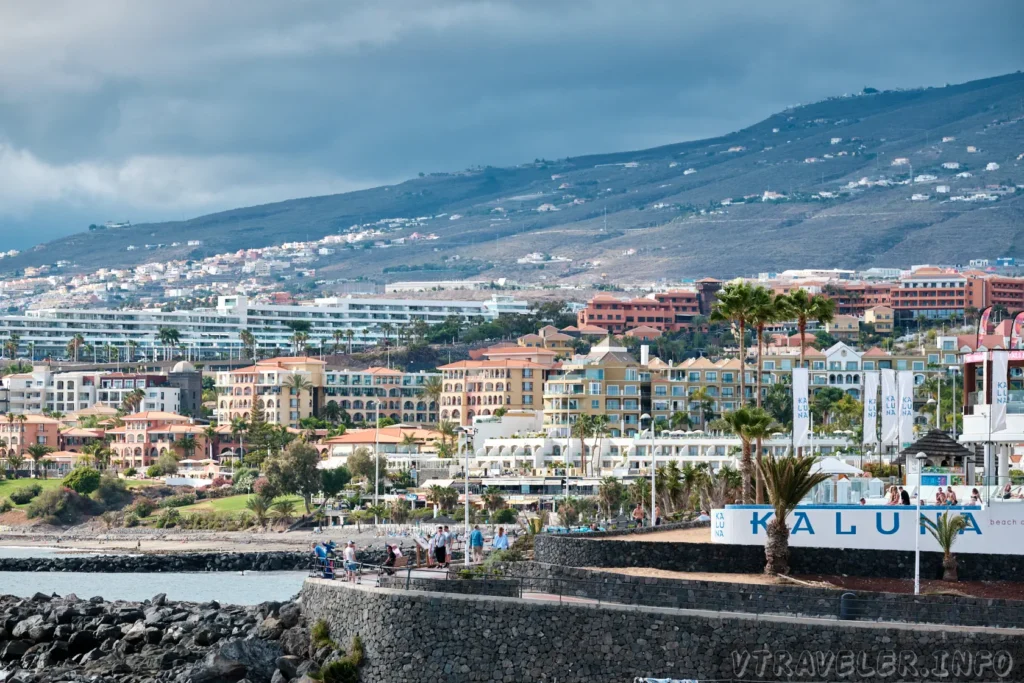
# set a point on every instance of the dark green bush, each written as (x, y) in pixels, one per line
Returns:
(154, 471)
(112, 493)
(24, 494)
(168, 519)
(180, 500)
(142, 508)
(505, 516)
(130, 472)
(82, 479)
(58, 506)
(6, 505)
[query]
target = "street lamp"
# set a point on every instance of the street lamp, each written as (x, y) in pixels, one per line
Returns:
(463, 436)
(932, 402)
(921, 458)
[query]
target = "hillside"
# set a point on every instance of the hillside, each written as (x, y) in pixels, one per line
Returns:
(672, 211)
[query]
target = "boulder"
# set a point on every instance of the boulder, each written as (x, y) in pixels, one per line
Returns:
(136, 633)
(159, 600)
(270, 629)
(289, 614)
(14, 649)
(25, 625)
(295, 641)
(288, 665)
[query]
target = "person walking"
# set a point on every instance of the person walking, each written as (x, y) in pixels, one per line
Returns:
(351, 566)
(476, 544)
(449, 545)
(500, 541)
(440, 546)
(657, 515)
(638, 514)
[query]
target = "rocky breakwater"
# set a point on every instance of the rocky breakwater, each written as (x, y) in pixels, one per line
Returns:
(164, 562)
(47, 639)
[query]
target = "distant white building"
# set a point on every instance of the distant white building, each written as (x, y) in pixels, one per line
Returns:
(992, 166)
(835, 141)
(971, 149)
(942, 189)
(951, 165)
(900, 161)
(919, 197)
(689, 171)
(948, 138)
(770, 196)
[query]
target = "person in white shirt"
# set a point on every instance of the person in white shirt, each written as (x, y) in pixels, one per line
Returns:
(440, 547)
(349, 557)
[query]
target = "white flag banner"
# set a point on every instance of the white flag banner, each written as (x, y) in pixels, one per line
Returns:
(1000, 390)
(801, 409)
(890, 410)
(905, 388)
(870, 407)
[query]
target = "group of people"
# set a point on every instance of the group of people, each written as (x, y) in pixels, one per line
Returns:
(441, 545)
(325, 554)
(897, 495)
(640, 515)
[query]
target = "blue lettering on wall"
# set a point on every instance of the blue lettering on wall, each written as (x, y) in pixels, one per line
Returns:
(895, 524)
(761, 522)
(972, 524)
(839, 526)
(803, 523)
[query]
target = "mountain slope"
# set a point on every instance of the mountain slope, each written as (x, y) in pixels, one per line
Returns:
(641, 215)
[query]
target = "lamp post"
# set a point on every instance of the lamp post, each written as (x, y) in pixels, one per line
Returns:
(376, 461)
(921, 458)
(465, 488)
(954, 371)
(933, 402)
(650, 445)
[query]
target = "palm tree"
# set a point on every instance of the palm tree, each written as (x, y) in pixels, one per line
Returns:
(350, 335)
(210, 432)
(409, 442)
(283, 510)
(132, 345)
(640, 492)
(945, 530)
(398, 511)
(432, 388)
(248, 342)
(337, 336)
(668, 486)
(679, 419)
(448, 432)
(386, 329)
(188, 445)
(610, 493)
(15, 460)
(707, 405)
(297, 383)
(746, 423)
(38, 453)
(804, 307)
(259, 506)
(493, 500)
(169, 337)
(76, 343)
(238, 429)
(299, 338)
(788, 480)
(581, 429)
(332, 412)
(734, 306)
(12, 344)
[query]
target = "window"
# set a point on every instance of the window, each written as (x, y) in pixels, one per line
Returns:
(612, 390)
(612, 404)
(835, 365)
(711, 376)
(918, 365)
(851, 365)
(661, 405)
(595, 388)
(901, 365)
(528, 400)
(693, 377)
(727, 392)
(661, 390)
(527, 373)
(678, 391)
(631, 390)
(948, 345)
(527, 386)
(631, 375)
(630, 404)
(950, 358)
(728, 377)
(869, 365)
(769, 365)
(818, 365)
(595, 404)
(933, 359)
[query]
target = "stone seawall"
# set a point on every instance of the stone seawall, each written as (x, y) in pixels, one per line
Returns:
(581, 551)
(758, 598)
(413, 637)
(177, 562)
(508, 588)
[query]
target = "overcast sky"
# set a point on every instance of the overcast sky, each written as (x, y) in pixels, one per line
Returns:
(166, 109)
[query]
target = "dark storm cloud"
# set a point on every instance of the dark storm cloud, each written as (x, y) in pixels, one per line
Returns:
(168, 109)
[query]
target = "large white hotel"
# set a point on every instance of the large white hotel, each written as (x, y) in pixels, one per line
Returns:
(215, 332)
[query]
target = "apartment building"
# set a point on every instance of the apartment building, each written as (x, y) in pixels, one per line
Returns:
(215, 332)
(26, 391)
(844, 328)
(930, 292)
(18, 432)
(158, 396)
(550, 338)
(480, 387)
(856, 298)
(400, 395)
(881, 317)
(147, 435)
(68, 392)
(701, 388)
(668, 311)
(270, 381)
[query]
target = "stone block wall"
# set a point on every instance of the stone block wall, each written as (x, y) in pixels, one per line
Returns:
(508, 588)
(583, 551)
(415, 637)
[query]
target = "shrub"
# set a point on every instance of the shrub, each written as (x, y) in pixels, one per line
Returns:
(26, 493)
(263, 487)
(505, 516)
(180, 500)
(320, 635)
(6, 505)
(154, 471)
(130, 472)
(168, 519)
(58, 506)
(218, 481)
(82, 479)
(111, 493)
(131, 520)
(243, 480)
(346, 669)
(142, 508)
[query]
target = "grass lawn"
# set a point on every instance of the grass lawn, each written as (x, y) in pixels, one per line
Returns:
(9, 486)
(226, 504)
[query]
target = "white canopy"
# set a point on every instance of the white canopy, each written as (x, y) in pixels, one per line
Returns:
(831, 465)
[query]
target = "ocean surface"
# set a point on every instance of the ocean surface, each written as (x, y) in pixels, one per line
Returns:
(249, 588)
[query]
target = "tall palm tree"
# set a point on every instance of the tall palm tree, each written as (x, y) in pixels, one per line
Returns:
(765, 308)
(76, 343)
(299, 338)
(169, 337)
(248, 342)
(15, 460)
(679, 420)
(432, 388)
(609, 494)
(448, 432)
(581, 429)
(788, 480)
(12, 344)
(409, 442)
(745, 423)
(945, 531)
(238, 429)
(132, 345)
(188, 445)
(337, 336)
(38, 453)
(760, 428)
(210, 432)
(493, 500)
(804, 307)
(734, 306)
(599, 428)
(297, 383)
(350, 334)
(707, 405)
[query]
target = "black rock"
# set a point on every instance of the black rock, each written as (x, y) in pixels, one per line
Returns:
(206, 636)
(82, 642)
(25, 625)
(160, 599)
(41, 597)
(15, 649)
(289, 614)
(288, 665)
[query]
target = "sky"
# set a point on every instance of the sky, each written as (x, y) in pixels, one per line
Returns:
(169, 109)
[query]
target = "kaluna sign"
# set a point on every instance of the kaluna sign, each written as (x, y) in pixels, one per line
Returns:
(997, 529)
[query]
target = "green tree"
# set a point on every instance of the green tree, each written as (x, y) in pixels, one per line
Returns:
(38, 453)
(734, 305)
(283, 510)
(778, 401)
(746, 423)
(445, 497)
(493, 500)
(945, 530)
(84, 480)
(259, 506)
(361, 464)
(610, 494)
(169, 337)
(804, 307)
(167, 463)
(295, 470)
(788, 480)
(188, 445)
(334, 481)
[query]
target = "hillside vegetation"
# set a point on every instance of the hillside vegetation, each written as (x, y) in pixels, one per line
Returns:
(683, 210)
